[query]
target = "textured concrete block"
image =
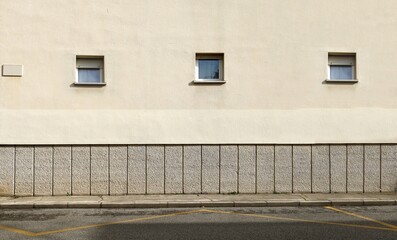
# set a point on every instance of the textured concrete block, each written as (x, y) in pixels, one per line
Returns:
(338, 168)
(137, 169)
(210, 168)
(118, 170)
(62, 170)
(389, 168)
(81, 172)
(155, 169)
(99, 170)
(173, 169)
(265, 168)
(320, 169)
(283, 168)
(229, 168)
(247, 169)
(302, 168)
(43, 171)
(7, 157)
(372, 168)
(355, 168)
(192, 169)
(24, 171)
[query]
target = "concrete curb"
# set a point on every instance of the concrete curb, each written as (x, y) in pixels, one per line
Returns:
(315, 203)
(197, 204)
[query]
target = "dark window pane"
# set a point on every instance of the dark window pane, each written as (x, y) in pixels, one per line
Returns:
(89, 75)
(208, 69)
(341, 72)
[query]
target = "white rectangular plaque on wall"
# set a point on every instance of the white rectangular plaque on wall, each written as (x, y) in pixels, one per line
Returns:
(12, 70)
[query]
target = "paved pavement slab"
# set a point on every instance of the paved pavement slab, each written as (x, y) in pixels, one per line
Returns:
(202, 200)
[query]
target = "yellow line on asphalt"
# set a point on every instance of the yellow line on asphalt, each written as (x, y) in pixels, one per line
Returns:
(33, 234)
(362, 217)
(115, 223)
(16, 230)
(301, 220)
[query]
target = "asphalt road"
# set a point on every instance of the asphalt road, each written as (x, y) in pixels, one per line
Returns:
(220, 223)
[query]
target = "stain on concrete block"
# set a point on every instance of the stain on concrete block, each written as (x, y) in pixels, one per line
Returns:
(137, 169)
(302, 169)
(155, 169)
(321, 169)
(62, 170)
(372, 168)
(229, 168)
(338, 168)
(283, 168)
(210, 168)
(7, 157)
(265, 168)
(24, 171)
(99, 170)
(43, 171)
(247, 169)
(173, 169)
(81, 174)
(118, 170)
(192, 169)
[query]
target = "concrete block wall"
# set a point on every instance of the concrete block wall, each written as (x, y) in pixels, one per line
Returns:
(188, 169)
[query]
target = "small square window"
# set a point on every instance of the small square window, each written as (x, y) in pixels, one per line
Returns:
(342, 67)
(89, 70)
(209, 68)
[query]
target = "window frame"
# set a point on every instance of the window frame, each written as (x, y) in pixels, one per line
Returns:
(342, 59)
(90, 62)
(210, 56)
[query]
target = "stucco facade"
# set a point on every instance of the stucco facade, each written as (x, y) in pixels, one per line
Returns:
(276, 59)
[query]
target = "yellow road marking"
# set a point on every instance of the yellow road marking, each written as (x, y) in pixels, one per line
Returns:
(33, 234)
(16, 230)
(114, 223)
(362, 217)
(302, 220)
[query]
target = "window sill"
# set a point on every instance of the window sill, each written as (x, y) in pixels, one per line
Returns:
(347, 81)
(209, 81)
(89, 84)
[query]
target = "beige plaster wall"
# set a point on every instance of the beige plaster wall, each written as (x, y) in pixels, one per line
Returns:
(275, 65)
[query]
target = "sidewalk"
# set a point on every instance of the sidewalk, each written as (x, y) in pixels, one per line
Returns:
(182, 201)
